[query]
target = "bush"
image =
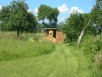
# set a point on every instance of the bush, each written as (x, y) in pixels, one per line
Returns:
(91, 45)
(92, 48)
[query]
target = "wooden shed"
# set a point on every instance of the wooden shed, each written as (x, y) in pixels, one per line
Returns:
(54, 35)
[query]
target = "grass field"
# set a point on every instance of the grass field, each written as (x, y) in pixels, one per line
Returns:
(19, 47)
(62, 62)
(21, 58)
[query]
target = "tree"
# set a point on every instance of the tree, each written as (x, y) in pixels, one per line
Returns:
(31, 23)
(52, 17)
(4, 17)
(79, 24)
(43, 11)
(96, 16)
(82, 32)
(74, 26)
(99, 4)
(17, 16)
(51, 14)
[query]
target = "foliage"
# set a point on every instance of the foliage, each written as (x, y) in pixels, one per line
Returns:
(15, 15)
(99, 4)
(31, 23)
(51, 14)
(43, 11)
(96, 15)
(91, 46)
(78, 22)
(74, 26)
(52, 17)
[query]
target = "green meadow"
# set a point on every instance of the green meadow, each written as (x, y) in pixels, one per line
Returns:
(25, 58)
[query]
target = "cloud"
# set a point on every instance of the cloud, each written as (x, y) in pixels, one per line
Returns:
(0, 7)
(62, 19)
(34, 11)
(63, 8)
(76, 9)
(30, 10)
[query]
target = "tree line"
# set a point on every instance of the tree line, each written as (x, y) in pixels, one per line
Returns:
(16, 17)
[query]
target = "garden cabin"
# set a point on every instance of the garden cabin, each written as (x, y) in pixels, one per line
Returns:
(54, 35)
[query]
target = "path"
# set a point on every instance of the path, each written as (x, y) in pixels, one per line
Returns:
(62, 62)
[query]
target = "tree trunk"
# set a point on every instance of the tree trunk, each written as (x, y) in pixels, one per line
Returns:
(18, 32)
(82, 32)
(80, 37)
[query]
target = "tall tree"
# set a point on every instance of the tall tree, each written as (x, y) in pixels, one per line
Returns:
(51, 14)
(52, 17)
(74, 26)
(98, 4)
(43, 11)
(31, 23)
(96, 16)
(4, 17)
(17, 16)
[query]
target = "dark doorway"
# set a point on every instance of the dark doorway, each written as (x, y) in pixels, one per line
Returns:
(54, 33)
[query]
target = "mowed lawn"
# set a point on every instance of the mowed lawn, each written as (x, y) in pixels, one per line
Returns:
(62, 62)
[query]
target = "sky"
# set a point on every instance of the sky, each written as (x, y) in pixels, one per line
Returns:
(65, 7)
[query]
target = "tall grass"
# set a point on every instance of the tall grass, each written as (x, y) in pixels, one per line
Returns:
(12, 47)
(92, 48)
(91, 45)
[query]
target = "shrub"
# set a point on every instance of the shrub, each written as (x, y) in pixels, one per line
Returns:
(92, 48)
(91, 45)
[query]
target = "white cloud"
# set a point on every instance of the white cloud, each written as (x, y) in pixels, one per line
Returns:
(62, 19)
(34, 11)
(76, 9)
(0, 7)
(30, 10)
(63, 8)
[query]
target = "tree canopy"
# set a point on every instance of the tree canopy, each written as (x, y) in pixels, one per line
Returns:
(73, 26)
(96, 16)
(51, 14)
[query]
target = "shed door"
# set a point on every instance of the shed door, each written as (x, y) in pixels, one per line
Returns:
(54, 33)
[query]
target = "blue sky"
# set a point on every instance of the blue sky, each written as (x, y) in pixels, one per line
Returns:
(65, 6)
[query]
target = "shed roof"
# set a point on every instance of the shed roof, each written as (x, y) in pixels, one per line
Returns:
(50, 29)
